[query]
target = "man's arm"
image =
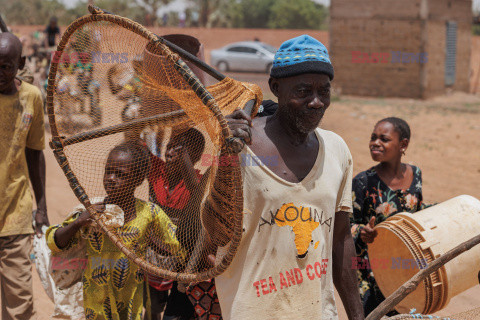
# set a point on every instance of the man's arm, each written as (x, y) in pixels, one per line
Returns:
(36, 171)
(344, 276)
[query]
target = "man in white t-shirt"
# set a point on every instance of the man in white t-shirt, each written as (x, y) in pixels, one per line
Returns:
(297, 177)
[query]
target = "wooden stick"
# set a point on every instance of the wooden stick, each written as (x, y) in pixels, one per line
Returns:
(409, 286)
(249, 107)
(190, 57)
(126, 126)
(97, 133)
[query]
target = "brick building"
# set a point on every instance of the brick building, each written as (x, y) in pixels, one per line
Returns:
(401, 48)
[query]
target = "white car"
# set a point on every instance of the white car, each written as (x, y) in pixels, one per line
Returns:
(244, 56)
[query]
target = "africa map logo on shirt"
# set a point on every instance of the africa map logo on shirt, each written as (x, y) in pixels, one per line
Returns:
(302, 220)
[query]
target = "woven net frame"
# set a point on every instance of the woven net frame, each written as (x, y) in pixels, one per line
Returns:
(59, 142)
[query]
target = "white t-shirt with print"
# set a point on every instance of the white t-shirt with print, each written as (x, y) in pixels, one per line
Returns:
(283, 269)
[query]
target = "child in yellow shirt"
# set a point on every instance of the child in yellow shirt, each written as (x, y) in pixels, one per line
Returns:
(112, 284)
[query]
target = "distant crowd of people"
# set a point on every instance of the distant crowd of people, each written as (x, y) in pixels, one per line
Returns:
(38, 48)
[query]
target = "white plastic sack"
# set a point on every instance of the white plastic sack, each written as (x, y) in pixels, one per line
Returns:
(68, 302)
(42, 261)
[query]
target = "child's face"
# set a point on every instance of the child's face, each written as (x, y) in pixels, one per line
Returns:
(174, 147)
(119, 178)
(385, 144)
(178, 148)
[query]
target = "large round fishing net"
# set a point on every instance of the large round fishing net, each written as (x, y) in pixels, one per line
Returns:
(122, 104)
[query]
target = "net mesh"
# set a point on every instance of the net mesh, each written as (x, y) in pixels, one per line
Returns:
(138, 137)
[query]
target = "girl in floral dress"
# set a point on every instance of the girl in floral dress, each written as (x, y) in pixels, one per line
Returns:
(382, 191)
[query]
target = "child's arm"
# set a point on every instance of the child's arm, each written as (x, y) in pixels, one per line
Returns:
(63, 235)
(60, 236)
(181, 159)
(192, 181)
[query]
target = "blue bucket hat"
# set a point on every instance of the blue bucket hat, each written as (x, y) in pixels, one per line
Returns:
(300, 55)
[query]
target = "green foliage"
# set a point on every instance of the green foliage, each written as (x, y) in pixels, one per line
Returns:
(252, 13)
(80, 9)
(124, 8)
(224, 15)
(39, 12)
(298, 14)
(141, 7)
(212, 13)
(33, 11)
(278, 14)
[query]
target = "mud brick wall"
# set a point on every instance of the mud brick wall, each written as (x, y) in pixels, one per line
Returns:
(363, 31)
(441, 11)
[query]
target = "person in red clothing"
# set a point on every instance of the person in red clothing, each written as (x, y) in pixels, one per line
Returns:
(172, 180)
(171, 184)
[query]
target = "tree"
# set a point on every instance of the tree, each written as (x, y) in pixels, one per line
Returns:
(253, 13)
(298, 14)
(280, 14)
(149, 6)
(32, 11)
(223, 15)
(39, 12)
(205, 8)
(125, 8)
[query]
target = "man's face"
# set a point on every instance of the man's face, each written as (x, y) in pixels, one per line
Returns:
(9, 64)
(302, 99)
